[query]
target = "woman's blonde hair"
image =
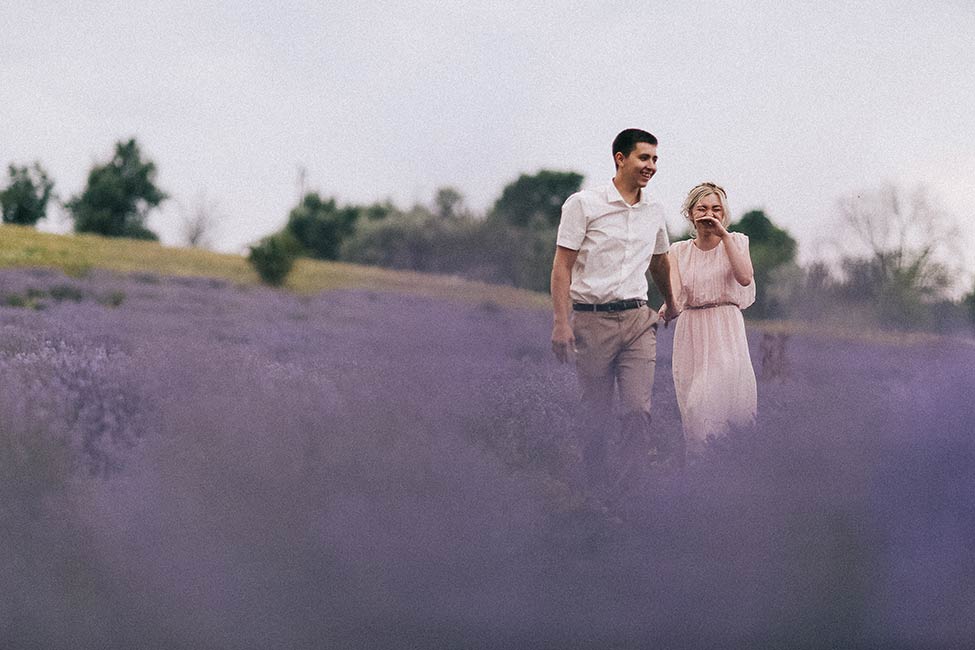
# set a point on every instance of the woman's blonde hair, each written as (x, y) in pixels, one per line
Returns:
(699, 192)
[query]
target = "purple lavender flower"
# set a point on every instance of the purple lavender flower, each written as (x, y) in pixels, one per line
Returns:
(206, 465)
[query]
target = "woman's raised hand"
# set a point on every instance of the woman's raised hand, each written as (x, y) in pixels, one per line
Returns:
(710, 225)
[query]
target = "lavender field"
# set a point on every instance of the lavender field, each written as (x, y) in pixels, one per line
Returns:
(185, 463)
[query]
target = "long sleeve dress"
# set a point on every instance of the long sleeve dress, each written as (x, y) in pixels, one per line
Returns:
(713, 374)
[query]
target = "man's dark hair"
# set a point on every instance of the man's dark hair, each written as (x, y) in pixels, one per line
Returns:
(627, 140)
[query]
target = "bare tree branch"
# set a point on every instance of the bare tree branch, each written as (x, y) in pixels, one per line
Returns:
(199, 223)
(905, 235)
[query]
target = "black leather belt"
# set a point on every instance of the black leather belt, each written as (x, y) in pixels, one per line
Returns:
(619, 305)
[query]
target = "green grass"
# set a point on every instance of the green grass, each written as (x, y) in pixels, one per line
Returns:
(76, 255)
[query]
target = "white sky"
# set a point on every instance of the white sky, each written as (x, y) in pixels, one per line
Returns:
(788, 107)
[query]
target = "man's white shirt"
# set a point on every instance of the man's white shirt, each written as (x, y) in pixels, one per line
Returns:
(614, 241)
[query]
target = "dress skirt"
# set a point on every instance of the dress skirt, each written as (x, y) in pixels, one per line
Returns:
(713, 375)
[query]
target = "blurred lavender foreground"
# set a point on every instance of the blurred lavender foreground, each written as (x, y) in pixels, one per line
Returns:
(190, 464)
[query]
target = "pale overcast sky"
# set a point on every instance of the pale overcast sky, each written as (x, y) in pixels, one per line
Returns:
(789, 106)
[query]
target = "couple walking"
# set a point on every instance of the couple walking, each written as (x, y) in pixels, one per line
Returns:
(608, 238)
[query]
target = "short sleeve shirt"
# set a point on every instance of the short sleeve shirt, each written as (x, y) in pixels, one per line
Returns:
(614, 241)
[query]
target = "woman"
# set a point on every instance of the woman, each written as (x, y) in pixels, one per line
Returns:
(712, 279)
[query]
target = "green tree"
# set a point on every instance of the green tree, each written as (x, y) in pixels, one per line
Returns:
(320, 226)
(378, 211)
(487, 251)
(119, 196)
(772, 249)
(536, 201)
(448, 203)
(521, 257)
(417, 240)
(24, 200)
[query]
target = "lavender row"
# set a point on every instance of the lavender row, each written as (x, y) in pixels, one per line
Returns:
(196, 464)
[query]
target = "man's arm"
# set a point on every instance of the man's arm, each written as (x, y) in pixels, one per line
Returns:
(660, 272)
(563, 340)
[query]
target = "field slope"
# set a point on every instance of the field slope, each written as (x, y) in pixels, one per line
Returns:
(76, 255)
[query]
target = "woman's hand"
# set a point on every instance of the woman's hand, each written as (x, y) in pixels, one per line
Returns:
(667, 313)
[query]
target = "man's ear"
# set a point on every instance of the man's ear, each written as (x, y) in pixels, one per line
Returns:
(618, 157)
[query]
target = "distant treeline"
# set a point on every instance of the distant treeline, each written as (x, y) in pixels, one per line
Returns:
(896, 279)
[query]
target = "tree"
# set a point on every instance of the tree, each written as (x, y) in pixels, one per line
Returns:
(904, 239)
(321, 226)
(771, 248)
(448, 203)
(378, 211)
(199, 223)
(536, 201)
(417, 240)
(119, 196)
(24, 200)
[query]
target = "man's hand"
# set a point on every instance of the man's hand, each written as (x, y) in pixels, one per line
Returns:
(563, 342)
(668, 313)
(660, 272)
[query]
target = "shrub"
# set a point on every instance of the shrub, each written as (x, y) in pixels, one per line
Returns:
(273, 257)
(66, 292)
(15, 300)
(112, 299)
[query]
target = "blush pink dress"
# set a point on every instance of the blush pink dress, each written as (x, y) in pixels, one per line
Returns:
(713, 373)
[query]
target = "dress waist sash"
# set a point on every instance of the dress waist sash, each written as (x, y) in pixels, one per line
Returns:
(710, 305)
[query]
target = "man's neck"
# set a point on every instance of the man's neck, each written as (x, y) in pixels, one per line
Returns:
(630, 194)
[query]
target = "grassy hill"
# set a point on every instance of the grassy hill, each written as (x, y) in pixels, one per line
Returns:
(76, 255)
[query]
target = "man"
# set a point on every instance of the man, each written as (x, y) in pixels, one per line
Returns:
(607, 238)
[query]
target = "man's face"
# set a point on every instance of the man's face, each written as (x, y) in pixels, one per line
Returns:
(640, 166)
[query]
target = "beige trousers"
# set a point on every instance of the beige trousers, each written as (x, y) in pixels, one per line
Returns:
(615, 350)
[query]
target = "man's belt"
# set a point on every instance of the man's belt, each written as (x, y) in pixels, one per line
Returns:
(619, 305)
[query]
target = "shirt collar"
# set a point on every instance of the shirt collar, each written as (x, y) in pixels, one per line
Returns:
(613, 195)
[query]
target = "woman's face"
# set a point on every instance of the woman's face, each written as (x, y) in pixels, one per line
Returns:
(708, 207)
